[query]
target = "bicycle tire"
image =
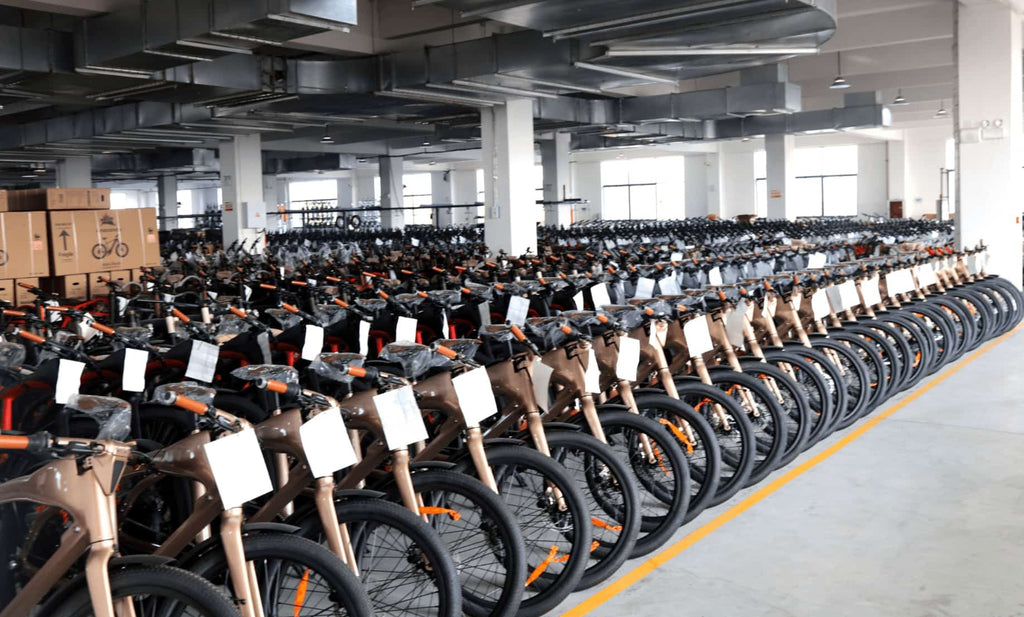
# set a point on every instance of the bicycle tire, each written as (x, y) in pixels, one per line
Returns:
(855, 375)
(795, 405)
(767, 421)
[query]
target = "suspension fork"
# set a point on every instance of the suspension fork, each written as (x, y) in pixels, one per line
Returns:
(243, 574)
(338, 539)
(667, 382)
(475, 444)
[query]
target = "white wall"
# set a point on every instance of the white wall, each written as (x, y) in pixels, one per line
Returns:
(896, 168)
(736, 172)
(872, 187)
(588, 186)
(696, 180)
(925, 156)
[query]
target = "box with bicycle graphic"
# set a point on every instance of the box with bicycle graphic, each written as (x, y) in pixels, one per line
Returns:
(23, 245)
(85, 241)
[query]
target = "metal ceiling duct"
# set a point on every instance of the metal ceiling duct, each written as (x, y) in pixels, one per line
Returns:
(160, 34)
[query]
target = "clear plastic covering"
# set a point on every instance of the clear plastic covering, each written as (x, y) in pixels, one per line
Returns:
(498, 333)
(285, 319)
(628, 317)
(188, 389)
(410, 301)
(466, 347)
(447, 297)
(113, 415)
(135, 333)
(547, 330)
(414, 359)
(277, 372)
(375, 306)
(582, 319)
(334, 366)
(660, 307)
(330, 314)
(231, 324)
(11, 355)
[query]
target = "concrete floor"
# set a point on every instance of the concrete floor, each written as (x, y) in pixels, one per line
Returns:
(922, 516)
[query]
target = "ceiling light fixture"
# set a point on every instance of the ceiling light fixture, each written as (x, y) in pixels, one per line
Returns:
(942, 113)
(899, 101)
(326, 139)
(642, 52)
(839, 83)
(614, 70)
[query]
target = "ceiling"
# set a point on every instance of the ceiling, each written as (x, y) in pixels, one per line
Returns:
(132, 79)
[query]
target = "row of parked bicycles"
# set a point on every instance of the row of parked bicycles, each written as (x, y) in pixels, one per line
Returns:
(433, 432)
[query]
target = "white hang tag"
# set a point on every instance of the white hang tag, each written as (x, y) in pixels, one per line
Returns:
(629, 358)
(848, 291)
(796, 301)
(133, 375)
(415, 242)
(172, 324)
(734, 322)
(400, 417)
(69, 378)
(869, 289)
(122, 304)
(405, 329)
(83, 327)
(326, 444)
(899, 282)
(599, 294)
(925, 276)
(167, 298)
(668, 286)
(312, 342)
(212, 295)
(835, 298)
(659, 334)
(820, 304)
(816, 260)
(770, 306)
(444, 325)
(541, 381)
(676, 257)
(476, 397)
(484, 309)
(247, 291)
(391, 275)
(238, 468)
(592, 376)
(715, 276)
(644, 288)
(364, 337)
(202, 361)
(698, 336)
(518, 307)
(263, 340)
(578, 301)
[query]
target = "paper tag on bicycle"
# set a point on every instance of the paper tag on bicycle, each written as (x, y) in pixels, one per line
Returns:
(326, 444)
(769, 307)
(592, 376)
(415, 242)
(168, 298)
(644, 288)
(476, 397)
(247, 291)
(202, 361)
(676, 257)
(69, 378)
(972, 264)
(238, 468)
(835, 298)
(405, 329)
(518, 307)
(55, 316)
(698, 336)
(599, 294)
(669, 286)
(899, 282)
(364, 337)
(541, 381)
(83, 327)
(734, 326)
(869, 289)
(212, 295)
(848, 292)
(578, 301)
(400, 418)
(312, 342)
(819, 304)
(263, 341)
(629, 358)
(484, 308)
(122, 304)
(133, 374)
(816, 260)
(659, 334)
(715, 276)
(925, 275)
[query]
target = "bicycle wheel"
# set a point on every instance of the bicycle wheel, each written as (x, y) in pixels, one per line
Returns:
(855, 375)
(767, 419)
(403, 565)
(156, 590)
(482, 537)
(554, 521)
(812, 382)
(696, 439)
(612, 500)
(661, 471)
(797, 409)
(295, 576)
(874, 361)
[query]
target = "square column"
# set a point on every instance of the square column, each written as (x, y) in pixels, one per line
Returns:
(391, 190)
(464, 191)
(275, 194)
(167, 200)
(872, 189)
(241, 174)
(362, 186)
(735, 182)
(441, 193)
(74, 172)
(346, 193)
(590, 188)
(990, 107)
(554, 156)
(510, 223)
(781, 179)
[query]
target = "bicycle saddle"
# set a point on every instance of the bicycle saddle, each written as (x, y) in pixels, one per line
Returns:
(277, 372)
(188, 389)
(412, 301)
(334, 366)
(548, 332)
(374, 306)
(466, 347)
(446, 297)
(330, 314)
(483, 292)
(285, 319)
(135, 333)
(587, 321)
(113, 415)
(414, 360)
(654, 307)
(11, 355)
(628, 317)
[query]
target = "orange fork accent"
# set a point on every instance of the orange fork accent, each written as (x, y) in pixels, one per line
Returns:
(300, 593)
(543, 565)
(680, 435)
(431, 510)
(596, 522)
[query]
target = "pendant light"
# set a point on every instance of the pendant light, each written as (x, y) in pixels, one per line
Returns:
(899, 101)
(942, 113)
(839, 83)
(326, 139)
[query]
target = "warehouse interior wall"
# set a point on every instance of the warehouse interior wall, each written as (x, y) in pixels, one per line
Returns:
(872, 186)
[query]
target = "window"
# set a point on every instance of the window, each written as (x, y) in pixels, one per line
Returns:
(417, 192)
(311, 194)
(185, 207)
(825, 185)
(538, 181)
(643, 188)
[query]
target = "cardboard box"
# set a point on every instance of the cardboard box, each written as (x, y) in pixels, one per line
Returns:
(23, 245)
(34, 200)
(73, 287)
(3, 201)
(103, 241)
(121, 277)
(99, 199)
(7, 291)
(22, 295)
(98, 288)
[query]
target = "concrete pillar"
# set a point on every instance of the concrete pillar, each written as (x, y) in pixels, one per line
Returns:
(441, 193)
(275, 194)
(924, 158)
(74, 172)
(346, 193)
(510, 222)
(896, 171)
(872, 187)
(391, 190)
(735, 182)
(695, 173)
(991, 106)
(167, 192)
(363, 188)
(713, 183)
(464, 191)
(781, 178)
(241, 174)
(554, 156)
(590, 188)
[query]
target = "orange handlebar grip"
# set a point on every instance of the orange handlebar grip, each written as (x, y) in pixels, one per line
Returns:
(333, 279)
(24, 285)
(357, 371)
(13, 313)
(189, 404)
(300, 283)
(340, 302)
(466, 290)
(446, 352)
(182, 316)
(267, 286)
(407, 272)
(28, 336)
(277, 386)
(105, 329)
(602, 318)
(566, 329)
(289, 307)
(422, 294)
(13, 442)
(383, 294)
(516, 332)
(57, 309)
(438, 270)
(238, 312)
(104, 279)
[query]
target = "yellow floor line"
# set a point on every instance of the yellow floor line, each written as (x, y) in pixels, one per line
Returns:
(659, 559)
